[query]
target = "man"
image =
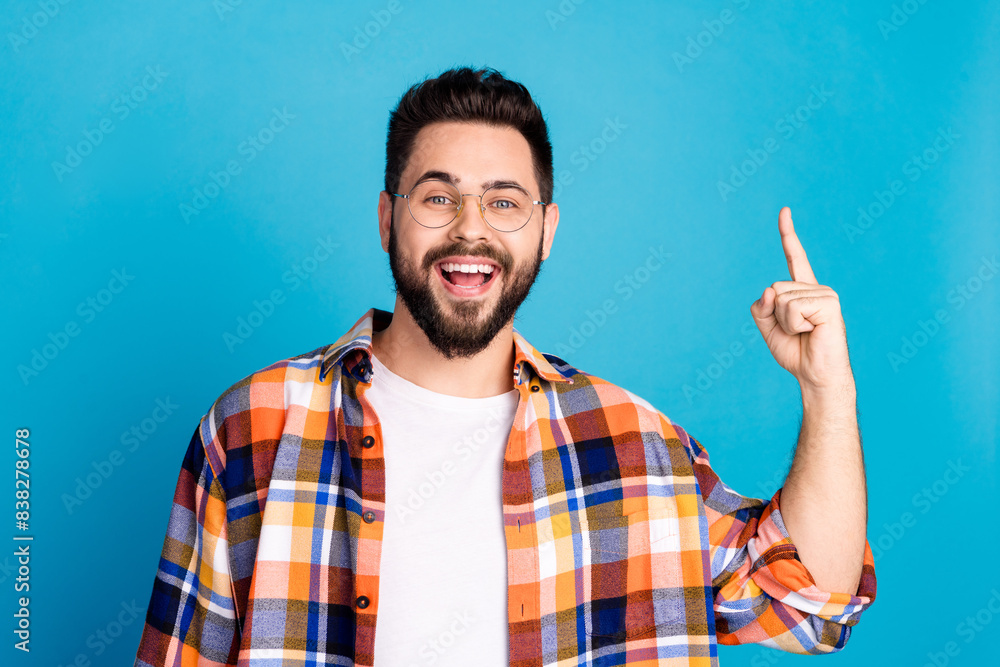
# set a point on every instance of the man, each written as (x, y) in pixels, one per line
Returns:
(431, 489)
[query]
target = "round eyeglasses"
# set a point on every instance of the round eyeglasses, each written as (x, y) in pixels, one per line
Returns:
(435, 203)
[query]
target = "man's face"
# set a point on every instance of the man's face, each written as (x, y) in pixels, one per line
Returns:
(461, 314)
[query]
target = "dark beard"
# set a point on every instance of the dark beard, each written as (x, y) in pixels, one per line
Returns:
(460, 333)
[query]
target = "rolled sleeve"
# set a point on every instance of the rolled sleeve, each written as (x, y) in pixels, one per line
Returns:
(763, 592)
(780, 573)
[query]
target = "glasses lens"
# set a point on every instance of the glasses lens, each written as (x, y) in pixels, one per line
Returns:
(507, 208)
(434, 203)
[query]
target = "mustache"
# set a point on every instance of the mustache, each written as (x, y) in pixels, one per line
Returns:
(487, 251)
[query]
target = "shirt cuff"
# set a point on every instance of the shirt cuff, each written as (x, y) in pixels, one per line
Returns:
(779, 572)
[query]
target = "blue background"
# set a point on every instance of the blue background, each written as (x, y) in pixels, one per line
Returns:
(687, 124)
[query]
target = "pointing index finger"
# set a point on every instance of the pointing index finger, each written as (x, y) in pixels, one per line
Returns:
(795, 254)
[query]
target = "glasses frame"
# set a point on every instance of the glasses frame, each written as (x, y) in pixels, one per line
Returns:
(461, 205)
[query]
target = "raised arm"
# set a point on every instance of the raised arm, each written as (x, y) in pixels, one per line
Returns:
(824, 499)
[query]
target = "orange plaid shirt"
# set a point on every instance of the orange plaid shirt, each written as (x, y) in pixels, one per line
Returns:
(623, 545)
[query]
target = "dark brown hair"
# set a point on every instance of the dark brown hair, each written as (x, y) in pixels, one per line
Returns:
(467, 95)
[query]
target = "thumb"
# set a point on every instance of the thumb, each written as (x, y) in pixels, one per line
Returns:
(762, 311)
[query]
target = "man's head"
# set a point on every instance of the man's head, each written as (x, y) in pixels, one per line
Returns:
(470, 128)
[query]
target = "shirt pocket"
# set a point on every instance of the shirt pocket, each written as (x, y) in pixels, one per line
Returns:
(626, 559)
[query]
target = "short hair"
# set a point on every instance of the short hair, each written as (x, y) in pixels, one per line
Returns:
(467, 95)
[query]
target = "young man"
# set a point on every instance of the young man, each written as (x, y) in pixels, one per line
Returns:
(431, 489)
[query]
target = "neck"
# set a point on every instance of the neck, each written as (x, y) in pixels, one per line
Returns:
(405, 350)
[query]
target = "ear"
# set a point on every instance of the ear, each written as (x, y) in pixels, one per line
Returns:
(384, 218)
(551, 221)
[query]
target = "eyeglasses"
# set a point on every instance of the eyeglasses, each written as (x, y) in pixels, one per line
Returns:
(435, 203)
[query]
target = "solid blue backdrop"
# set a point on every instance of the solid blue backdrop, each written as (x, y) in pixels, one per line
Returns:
(168, 169)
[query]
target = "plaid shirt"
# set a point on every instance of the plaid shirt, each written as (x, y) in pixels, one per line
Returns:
(623, 546)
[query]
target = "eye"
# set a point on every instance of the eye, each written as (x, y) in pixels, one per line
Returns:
(441, 200)
(507, 199)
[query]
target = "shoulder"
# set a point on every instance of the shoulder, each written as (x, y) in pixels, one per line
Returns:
(253, 410)
(618, 406)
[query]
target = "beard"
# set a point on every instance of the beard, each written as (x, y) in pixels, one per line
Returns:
(460, 328)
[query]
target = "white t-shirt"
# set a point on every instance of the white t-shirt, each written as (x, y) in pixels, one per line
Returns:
(443, 574)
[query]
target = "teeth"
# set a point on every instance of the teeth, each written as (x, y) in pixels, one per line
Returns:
(467, 268)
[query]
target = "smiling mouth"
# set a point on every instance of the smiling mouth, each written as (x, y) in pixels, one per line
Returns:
(468, 276)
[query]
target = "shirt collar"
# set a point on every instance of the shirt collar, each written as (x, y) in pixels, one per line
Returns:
(353, 351)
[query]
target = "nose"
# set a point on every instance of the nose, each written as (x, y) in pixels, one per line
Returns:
(471, 224)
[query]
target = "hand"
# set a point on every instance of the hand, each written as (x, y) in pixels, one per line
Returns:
(801, 322)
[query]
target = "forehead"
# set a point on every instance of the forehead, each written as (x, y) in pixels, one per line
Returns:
(473, 152)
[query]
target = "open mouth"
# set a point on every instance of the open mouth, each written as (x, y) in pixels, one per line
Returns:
(467, 278)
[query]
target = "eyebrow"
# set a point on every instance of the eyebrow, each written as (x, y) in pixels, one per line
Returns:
(432, 174)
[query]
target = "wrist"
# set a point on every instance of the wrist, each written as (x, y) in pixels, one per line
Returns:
(833, 398)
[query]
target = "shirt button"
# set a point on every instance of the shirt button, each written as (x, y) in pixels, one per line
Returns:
(362, 602)
(535, 387)
(368, 441)
(369, 516)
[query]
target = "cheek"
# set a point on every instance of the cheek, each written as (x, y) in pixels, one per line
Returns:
(412, 249)
(529, 252)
